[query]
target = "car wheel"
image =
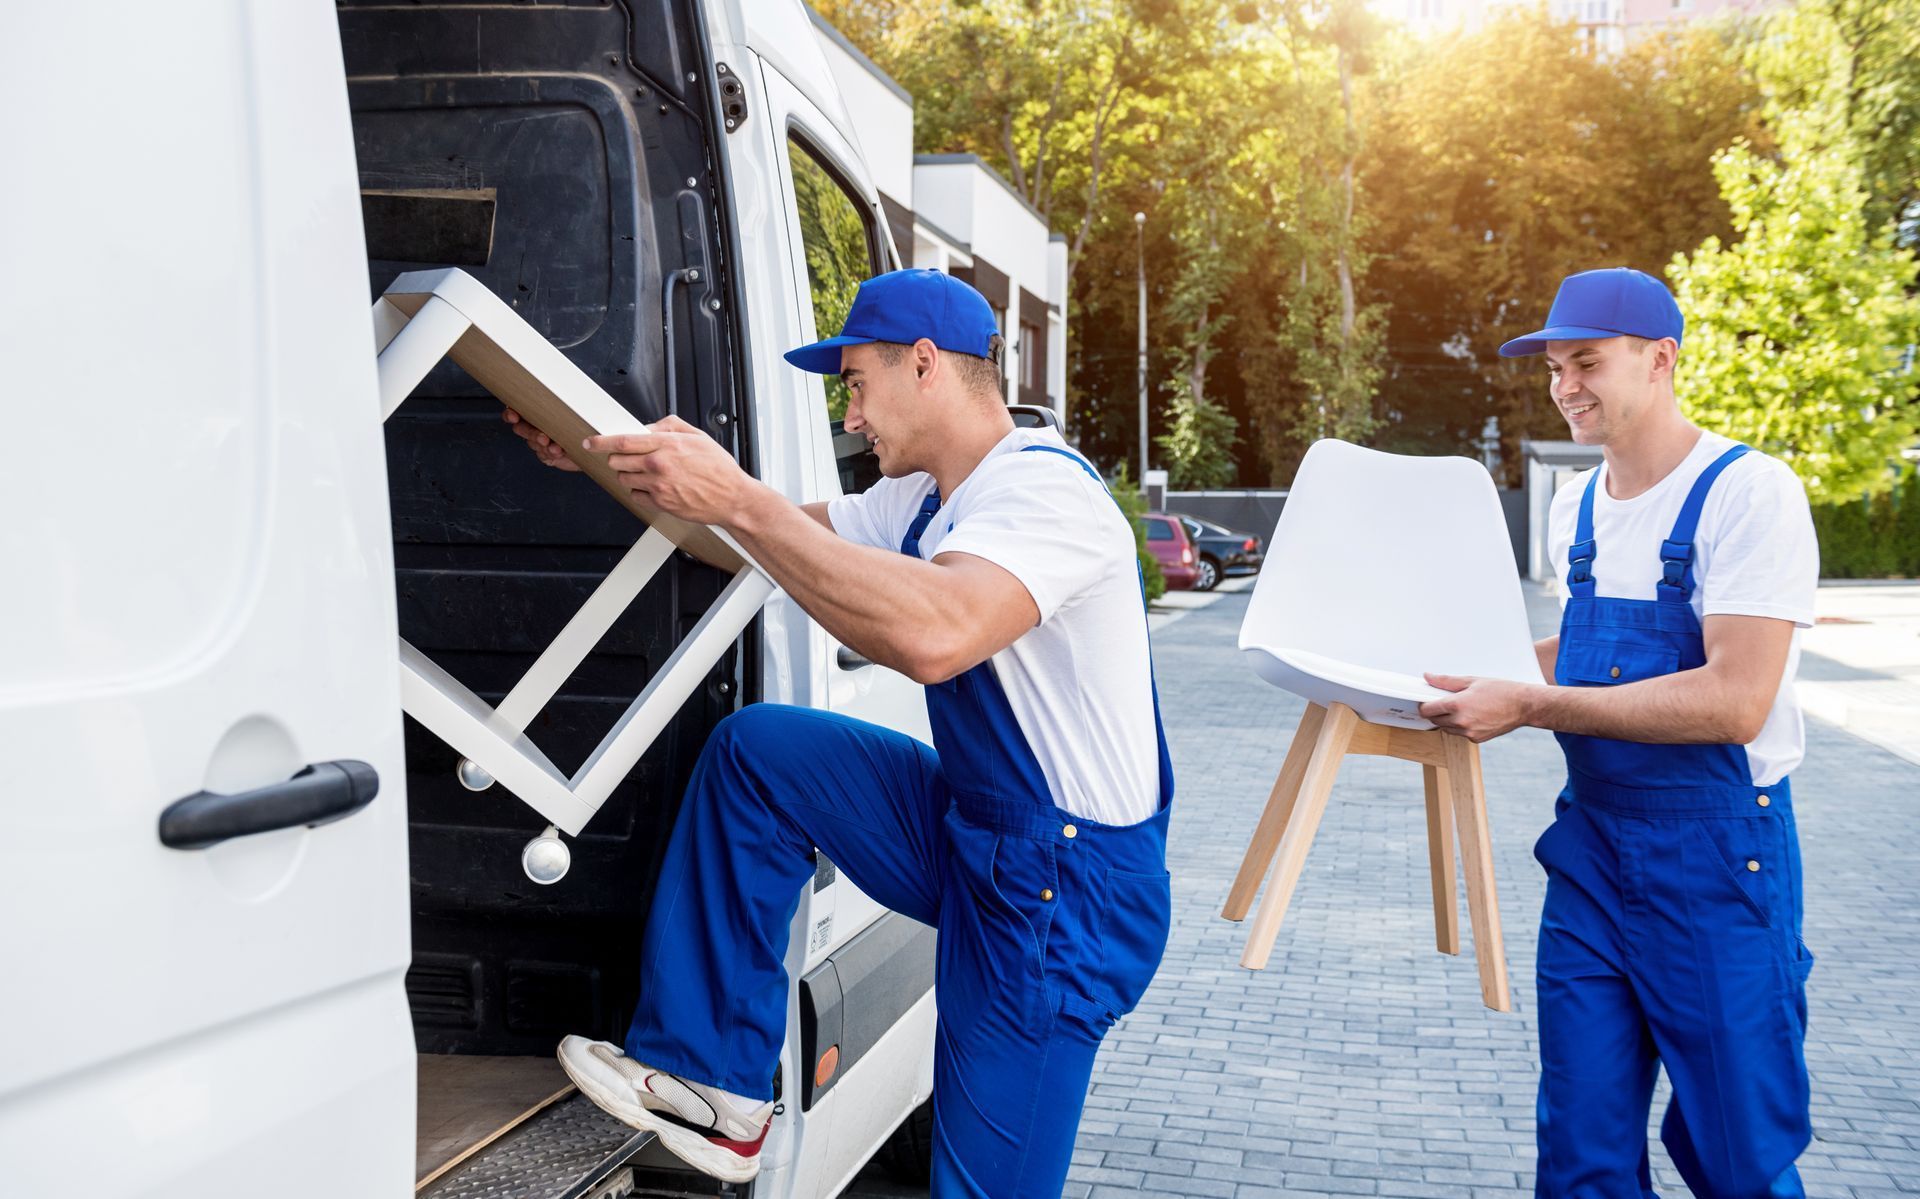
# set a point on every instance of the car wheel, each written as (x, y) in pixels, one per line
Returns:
(1209, 574)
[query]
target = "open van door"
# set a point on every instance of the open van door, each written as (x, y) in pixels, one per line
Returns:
(203, 881)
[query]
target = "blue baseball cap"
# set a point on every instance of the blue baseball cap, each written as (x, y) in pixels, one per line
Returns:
(903, 307)
(1614, 302)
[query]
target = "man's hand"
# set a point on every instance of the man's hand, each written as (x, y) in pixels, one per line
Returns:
(543, 447)
(677, 469)
(1479, 709)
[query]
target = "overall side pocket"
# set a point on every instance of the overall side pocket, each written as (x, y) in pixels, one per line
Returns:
(1133, 936)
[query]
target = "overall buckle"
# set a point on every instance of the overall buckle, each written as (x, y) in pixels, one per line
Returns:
(1675, 559)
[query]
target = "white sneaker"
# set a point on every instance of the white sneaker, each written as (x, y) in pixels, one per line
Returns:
(714, 1131)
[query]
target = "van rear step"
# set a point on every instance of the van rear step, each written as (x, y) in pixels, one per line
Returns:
(569, 1149)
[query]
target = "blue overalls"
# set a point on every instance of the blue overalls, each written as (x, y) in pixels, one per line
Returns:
(1050, 925)
(1671, 930)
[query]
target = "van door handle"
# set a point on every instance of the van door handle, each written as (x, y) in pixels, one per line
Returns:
(320, 794)
(850, 659)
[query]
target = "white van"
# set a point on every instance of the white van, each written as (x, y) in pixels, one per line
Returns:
(255, 936)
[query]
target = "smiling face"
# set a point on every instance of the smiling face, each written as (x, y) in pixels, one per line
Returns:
(1604, 387)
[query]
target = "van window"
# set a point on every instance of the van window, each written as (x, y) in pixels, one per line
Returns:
(837, 237)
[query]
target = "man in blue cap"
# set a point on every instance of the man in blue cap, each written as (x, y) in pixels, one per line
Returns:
(1671, 930)
(991, 565)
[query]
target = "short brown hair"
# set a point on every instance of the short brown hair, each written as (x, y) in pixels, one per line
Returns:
(980, 375)
(1639, 345)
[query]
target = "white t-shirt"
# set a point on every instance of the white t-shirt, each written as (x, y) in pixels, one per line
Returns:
(1080, 681)
(1754, 554)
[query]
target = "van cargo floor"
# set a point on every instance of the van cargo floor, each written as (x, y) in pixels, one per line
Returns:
(466, 1101)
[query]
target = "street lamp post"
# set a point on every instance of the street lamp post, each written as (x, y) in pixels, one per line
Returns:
(1140, 248)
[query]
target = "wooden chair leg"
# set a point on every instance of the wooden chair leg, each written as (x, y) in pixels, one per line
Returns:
(1273, 819)
(1446, 909)
(1336, 730)
(1476, 860)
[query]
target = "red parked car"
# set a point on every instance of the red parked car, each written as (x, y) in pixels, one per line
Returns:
(1167, 540)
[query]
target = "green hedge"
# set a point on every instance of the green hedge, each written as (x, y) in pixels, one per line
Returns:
(1878, 538)
(1134, 504)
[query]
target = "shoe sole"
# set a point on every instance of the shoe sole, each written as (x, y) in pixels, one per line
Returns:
(685, 1144)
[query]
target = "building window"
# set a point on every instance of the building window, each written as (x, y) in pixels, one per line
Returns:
(1031, 368)
(838, 241)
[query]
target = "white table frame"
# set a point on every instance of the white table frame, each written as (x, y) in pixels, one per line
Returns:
(425, 316)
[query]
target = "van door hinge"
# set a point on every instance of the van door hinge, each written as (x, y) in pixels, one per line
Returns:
(733, 98)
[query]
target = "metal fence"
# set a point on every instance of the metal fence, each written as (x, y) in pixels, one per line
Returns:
(1257, 511)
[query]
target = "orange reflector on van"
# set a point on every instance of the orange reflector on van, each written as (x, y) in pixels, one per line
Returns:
(829, 1062)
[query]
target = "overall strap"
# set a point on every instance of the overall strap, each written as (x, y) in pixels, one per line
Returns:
(1676, 553)
(910, 544)
(1580, 553)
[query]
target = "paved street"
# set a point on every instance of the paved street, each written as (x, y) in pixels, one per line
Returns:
(1361, 1062)
(1860, 667)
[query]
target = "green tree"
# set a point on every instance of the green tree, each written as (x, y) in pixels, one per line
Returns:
(1906, 531)
(1075, 101)
(1870, 50)
(1133, 502)
(1198, 444)
(1498, 162)
(1800, 334)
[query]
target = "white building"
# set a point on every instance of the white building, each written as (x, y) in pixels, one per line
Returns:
(954, 213)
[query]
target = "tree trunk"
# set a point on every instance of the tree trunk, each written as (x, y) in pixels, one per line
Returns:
(1345, 266)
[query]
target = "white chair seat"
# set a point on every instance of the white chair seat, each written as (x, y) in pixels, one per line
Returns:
(1378, 696)
(1389, 566)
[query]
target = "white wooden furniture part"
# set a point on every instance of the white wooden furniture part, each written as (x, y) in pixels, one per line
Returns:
(425, 316)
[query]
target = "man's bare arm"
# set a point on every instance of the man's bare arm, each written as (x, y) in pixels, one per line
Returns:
(1724, 702)
(928, 620)
(1547, 649)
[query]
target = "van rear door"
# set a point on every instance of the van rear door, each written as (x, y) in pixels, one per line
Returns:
(203, 900)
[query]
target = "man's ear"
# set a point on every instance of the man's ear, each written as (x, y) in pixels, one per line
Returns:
(926, 359)
(1666, 356)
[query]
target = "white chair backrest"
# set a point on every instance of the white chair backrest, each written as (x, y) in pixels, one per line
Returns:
(1396, 563)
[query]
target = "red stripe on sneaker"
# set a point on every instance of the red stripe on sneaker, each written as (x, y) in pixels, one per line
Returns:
(743, 1148)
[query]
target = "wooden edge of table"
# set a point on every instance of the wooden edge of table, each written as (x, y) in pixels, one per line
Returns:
(505, 373)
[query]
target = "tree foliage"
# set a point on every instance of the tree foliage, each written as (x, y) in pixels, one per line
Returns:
(1801, 333)
(1503, 161)
(1343, 223)
(1133, 504)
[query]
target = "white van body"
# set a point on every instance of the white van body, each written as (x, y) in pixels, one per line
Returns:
(200, 598)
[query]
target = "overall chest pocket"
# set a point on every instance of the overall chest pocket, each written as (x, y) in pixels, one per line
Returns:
(1589, 662)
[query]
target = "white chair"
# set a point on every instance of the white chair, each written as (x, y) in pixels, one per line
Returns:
(1383, 567)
